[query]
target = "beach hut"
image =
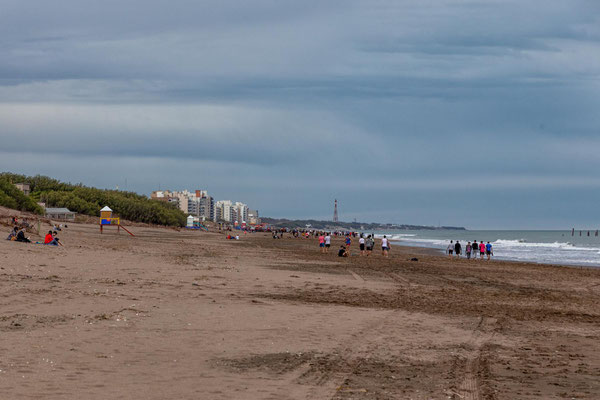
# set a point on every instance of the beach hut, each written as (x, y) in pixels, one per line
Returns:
(105, 216)
(63, 214)
(190, 221)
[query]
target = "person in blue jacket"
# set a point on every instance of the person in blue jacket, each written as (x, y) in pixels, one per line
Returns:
(488, 250)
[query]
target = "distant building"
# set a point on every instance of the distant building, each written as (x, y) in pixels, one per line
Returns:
(241, 211)
(197, 203)
(253, 218)
(225, 211)
(23, 187)
(206, 209)
(166, 196)
(63, 214)
(202, 206)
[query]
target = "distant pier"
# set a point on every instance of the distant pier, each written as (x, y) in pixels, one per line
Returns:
(581, 232)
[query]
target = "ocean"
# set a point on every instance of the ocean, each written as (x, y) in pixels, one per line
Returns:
(545, 247)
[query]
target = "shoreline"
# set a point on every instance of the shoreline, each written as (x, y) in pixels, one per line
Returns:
(438, 251)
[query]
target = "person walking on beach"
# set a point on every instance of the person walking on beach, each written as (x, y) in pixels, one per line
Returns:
(481, 249)
(361, 244)
(327, 242)
(322, 243)
(369, 243)
(488, 250)
(458, 249)
(468, 250)
(450, 249)
(348, 242)
(385, 246)
(475, 249)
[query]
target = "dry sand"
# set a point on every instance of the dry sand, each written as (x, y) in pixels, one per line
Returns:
(190, 315)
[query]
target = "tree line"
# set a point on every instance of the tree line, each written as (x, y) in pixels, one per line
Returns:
(11, 197)
(85, 200)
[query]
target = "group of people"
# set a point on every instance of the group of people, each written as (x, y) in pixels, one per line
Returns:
(17, 234)
(366, 244)
(471, 249)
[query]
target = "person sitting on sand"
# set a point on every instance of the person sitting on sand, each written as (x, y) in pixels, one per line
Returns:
(21, 236)
(13, 234)
(342, 251)
(50, 239)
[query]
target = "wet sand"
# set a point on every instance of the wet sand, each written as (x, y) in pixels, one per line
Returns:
(190, 315)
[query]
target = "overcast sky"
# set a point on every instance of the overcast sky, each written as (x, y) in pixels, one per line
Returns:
(483, 114)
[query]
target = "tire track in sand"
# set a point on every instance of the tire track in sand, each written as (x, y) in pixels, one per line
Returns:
(356, 276)
(308, 382)
(470, 387)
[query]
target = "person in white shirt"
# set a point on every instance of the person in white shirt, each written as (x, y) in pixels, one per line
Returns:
(385, 246)
(450, 249)
(361, 243)
(327, 242)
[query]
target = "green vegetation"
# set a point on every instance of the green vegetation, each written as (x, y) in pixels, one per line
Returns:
(12, 197)
(85, 200)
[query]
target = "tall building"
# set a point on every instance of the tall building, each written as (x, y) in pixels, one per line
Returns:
(197, 203)
(206, 209)
(241, 210)
(225, 211)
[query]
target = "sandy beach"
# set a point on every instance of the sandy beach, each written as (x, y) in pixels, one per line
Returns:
(174, 314)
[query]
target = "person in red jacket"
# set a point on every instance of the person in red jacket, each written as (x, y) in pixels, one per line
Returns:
(481, 249)
(49, 239)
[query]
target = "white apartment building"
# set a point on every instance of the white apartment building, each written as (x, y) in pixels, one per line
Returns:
(228, 211)
(225, 211)
(242, 212)
(197, 203)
